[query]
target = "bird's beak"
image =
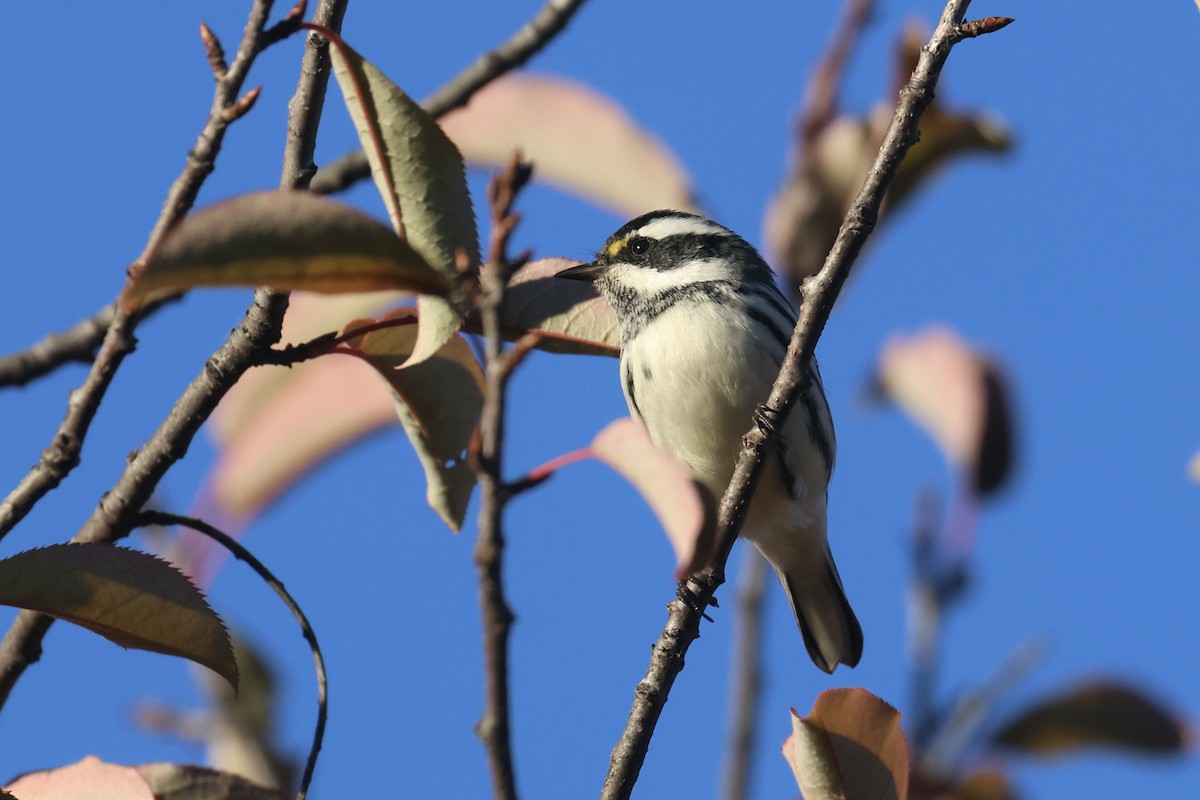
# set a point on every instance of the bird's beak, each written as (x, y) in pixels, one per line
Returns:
(582, 272)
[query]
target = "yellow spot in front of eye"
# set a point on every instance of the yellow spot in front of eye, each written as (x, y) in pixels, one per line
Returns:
(615, 246)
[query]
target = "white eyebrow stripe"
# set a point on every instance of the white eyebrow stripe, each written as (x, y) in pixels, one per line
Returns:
(675, 226)
(654, 281)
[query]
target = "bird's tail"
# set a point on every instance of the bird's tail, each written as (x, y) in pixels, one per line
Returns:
(830, 629)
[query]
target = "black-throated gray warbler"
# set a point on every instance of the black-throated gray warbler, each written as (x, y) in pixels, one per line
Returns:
(703, 333)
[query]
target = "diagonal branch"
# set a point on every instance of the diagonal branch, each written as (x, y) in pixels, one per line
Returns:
(820, 292)
(116, 513)
(524, 44)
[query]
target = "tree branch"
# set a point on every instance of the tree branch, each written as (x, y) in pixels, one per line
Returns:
(494, 726)
(820, 293)
(524, 44)
(115, 515)
(63, 453)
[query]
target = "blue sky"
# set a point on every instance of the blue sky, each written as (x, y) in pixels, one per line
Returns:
(1072, 260)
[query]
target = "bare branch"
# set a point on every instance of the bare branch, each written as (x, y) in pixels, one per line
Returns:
(242, 554)
(820, 292)
(116, 513)
(493, 728)
(242, 106)
(524, 44)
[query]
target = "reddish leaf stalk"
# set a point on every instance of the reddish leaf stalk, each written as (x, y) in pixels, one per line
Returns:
(820, 292)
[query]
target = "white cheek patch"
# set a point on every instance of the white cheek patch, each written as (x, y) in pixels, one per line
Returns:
(676, 226)
(653, 281)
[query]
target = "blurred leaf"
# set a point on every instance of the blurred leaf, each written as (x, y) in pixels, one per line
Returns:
(982, 786)
(438, 401)
(1194, 466)
(571, 317)
(850, 747)
(130, 598)
(1095, 715)
(89, 778)
(832, 159)
(686, 510)
(577, 139)
(420, 174)
(285, 240)
(324, 406)
(179, 782)
(957, 396)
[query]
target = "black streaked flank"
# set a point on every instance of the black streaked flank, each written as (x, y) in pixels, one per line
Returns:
(637, 412)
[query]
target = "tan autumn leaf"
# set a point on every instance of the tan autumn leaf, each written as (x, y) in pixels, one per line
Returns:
(957, 396)
(421, 177)
(128, 597)
(1099, 714)
(185, 782)
(577, 139)
(569, 315)
(850, 747)
(309, 413)
(286, 240)
(685, 509)
(438, 401)
(90, 778)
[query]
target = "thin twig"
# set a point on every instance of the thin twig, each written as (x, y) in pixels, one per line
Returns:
(821, 96)
(62, 455)
(820, 292)
(239, 552)
(494, 726)
(523, 45)
(45, 357)
(745, 689)
(116, 512)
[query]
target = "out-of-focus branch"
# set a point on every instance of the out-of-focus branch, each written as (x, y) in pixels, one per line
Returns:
(820, 293)
(115, 515)
(820, 100)
(524, 44)
(494, 728)
(745, 685)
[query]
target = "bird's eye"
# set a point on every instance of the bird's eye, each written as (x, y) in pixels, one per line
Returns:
(639, 246)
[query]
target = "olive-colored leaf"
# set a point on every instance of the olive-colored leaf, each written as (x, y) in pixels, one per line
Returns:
(958, 396)
(417, 169)
(1095, 715)
(569, 315)
(420, 174)
(577, 140)
(686, 509)
(183, 782)
(981, 786)
(286, 240)
(850, 747)
(90, 778)
(438, 402)
(131, 598)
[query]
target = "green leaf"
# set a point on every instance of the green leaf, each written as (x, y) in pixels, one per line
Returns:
(128, 597)
(850, 747)
(285, 240)
(420, 175)
(1095, 715)
(438, 401)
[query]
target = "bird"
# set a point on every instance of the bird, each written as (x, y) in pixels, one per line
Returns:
(704, 329)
